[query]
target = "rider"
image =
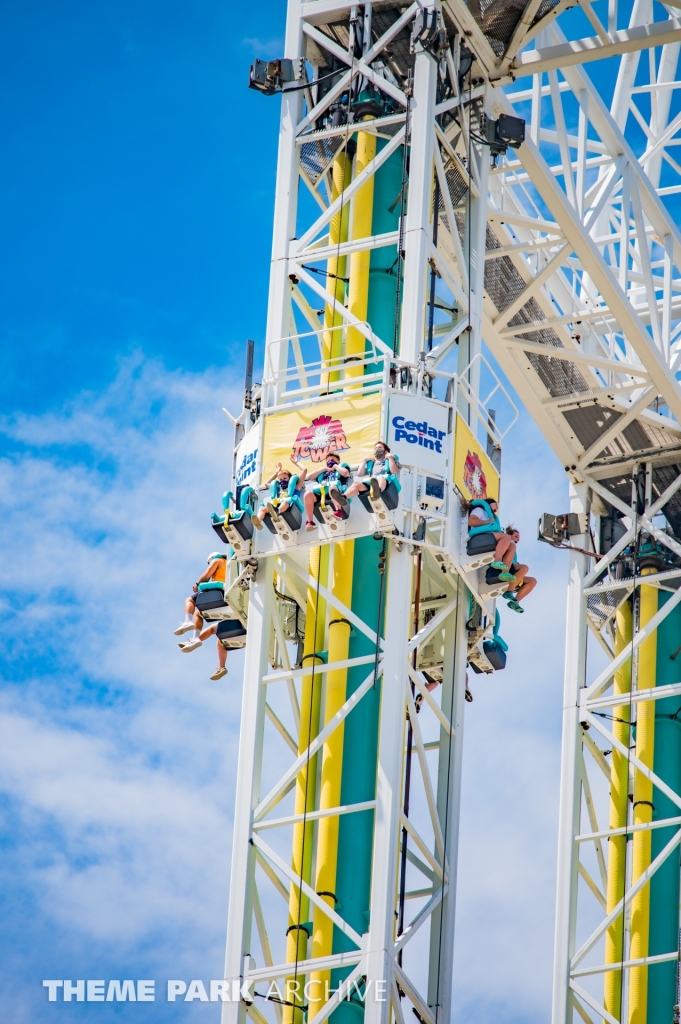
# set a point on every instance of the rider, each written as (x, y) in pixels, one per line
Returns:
(332, 479)
(376, 474)
(218, 629)
(212, 579)
(285, 491)
(483, 518)
(523, 584)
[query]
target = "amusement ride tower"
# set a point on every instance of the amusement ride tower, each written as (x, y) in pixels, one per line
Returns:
(455, 196)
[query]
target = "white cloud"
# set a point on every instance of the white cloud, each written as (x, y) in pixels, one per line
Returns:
(120, 754)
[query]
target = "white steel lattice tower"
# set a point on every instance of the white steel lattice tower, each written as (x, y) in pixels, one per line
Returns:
(561, 258)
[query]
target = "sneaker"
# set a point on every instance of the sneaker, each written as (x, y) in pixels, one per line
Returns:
(190, 645)
(272, 511)
(507, 577)
(516, 606)
(219, 673)
(498, 565)
(256, 522)
(338, 512)
(374, 489)
(310, 525)
(418, 701)
(469, 696)
(337, 496)
(510, 595)
(184, 627)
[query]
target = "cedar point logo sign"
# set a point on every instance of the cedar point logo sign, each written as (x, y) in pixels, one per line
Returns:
(323, 437)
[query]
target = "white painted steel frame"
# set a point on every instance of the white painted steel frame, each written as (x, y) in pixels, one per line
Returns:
(380, 952)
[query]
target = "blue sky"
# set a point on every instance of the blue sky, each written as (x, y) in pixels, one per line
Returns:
(136, 236)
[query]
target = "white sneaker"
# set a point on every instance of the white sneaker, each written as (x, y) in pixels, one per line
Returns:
(219, 673)
(184, 627)
(190, 645)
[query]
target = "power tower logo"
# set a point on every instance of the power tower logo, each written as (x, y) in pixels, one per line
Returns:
(473, 476)
(322, 437)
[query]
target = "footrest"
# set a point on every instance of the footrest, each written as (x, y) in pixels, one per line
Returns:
(489, 591)
(286, 523)
(386, 502)
(477, 563)
(479, 662)
(326, 516)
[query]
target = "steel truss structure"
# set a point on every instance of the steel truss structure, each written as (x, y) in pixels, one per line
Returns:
(564, 258)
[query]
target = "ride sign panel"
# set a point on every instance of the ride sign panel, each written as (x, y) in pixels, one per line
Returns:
(246, 461)
(417, 432)
(346, 427)
(474, 474)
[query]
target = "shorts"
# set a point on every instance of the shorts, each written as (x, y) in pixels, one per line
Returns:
(193, 596)
(390, 477)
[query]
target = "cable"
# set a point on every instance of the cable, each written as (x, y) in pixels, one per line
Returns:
(379, 616)
(433, 272)
(316, 81)
(400, 234)
(449, 773)
(315, 655)
(635, 619)
(407, 778)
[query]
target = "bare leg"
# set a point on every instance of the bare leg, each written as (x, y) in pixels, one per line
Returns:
(357, 488)
(189, 607)
(208, 631)
(309, 502)
(222, 655)
(505, 550)
(529, 583)
(520, 572)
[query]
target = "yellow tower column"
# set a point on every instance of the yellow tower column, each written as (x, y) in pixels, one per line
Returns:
(643, 809)
(617, 847)
(303, 835)
(332, 342)
(339, 631)
(360, 227)
(331, 775)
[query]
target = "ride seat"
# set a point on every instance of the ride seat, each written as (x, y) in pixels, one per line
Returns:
(207, 600)
(495, 654)
(291, 517)
(231, 633)
(240, 521)
(318, 509)
(390, 498)
(480, 544)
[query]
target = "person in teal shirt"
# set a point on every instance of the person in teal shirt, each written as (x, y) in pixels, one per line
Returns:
(483, 518)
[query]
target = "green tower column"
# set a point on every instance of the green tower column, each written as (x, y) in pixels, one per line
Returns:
(664, 885)
(360, 745)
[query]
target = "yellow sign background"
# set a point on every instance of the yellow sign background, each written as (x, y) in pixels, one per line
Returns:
(465, 445)
(349, 427)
